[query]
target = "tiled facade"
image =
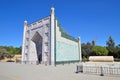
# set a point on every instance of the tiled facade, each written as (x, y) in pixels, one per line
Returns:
(66, 49)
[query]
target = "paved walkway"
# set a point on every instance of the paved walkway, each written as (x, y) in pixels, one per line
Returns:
(13, 71)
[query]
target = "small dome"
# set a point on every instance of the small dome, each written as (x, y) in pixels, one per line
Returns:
(25, 22)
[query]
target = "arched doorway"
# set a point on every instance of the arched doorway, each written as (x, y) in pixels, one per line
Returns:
(37, 39)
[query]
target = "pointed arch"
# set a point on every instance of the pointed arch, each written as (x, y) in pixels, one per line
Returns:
(38, 40)
(36, 37)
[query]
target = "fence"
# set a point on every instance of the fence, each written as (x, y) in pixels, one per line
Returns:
(102, 70)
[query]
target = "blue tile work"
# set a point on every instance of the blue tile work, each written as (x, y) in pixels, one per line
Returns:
(66, 52)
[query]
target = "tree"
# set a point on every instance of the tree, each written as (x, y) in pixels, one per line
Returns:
(9, 51)
(18, 50)
(3, 53)
(100, 51)
(12, 50)
(110, 46)
(86, 49)
(117, 51)
(110, 42)
(9, 56)
(93, 43)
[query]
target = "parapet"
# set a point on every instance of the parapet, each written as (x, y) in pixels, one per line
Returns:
(101, 58)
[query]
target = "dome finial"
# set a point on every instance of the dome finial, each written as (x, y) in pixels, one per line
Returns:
(25, 22)
(52, 10)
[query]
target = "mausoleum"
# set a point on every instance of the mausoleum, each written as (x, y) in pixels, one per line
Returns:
(46, 42)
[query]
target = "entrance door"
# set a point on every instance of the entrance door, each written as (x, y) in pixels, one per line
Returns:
(37, 39)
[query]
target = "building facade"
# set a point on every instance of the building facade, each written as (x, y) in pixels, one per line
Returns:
(45, 42)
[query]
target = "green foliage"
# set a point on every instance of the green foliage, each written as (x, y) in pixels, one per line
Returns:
(3, 53)
(117, 51)
(13, 50)
(93, 43)
(84, 58)
(116, 59)
(100, 51)
(89, 49)
(9, 51)
(111, 47)
(110, 42)
(9, 56)
(86, 49)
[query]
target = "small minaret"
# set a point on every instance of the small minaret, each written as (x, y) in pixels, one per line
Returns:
(52, 11)
(23, 44)
(79, 49)
(52, 36)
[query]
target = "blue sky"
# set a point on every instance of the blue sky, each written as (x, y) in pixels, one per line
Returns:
(89, 19)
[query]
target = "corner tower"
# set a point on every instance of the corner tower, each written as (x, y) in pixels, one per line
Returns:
(23, 44)
(52, 35)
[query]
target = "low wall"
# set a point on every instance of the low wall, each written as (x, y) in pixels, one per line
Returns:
(101, 58)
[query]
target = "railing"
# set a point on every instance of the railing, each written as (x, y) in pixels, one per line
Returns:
(102, 70)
